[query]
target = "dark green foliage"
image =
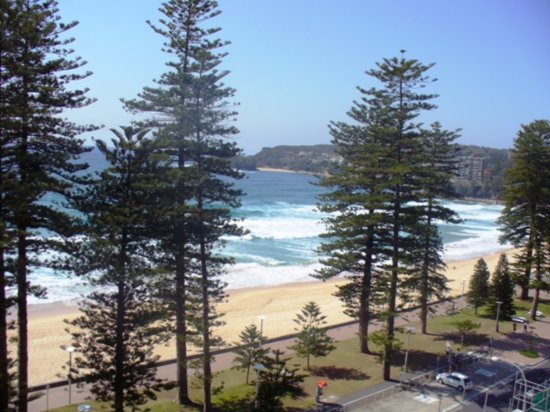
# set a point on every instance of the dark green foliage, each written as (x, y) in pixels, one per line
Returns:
(426, 279)
(380, 339)
(355, 236)
(276, 382)
(478, 290)
(501, 289)
(194, 132)
(524, 220)
(466, 327)
(312, 338)
(383, 197)
(249, 350)
(38, 149)
(123, 320)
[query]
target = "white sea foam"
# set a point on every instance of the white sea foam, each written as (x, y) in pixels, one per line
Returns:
(480, 244)
(476, 212)
(60, 287)
(284, 228)
(247, 275)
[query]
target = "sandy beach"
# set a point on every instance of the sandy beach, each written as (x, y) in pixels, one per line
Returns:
(279, 304)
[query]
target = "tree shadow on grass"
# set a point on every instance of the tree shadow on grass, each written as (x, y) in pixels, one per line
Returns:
(456, 338)
(235, 404)
(334, 372)
(418, 360)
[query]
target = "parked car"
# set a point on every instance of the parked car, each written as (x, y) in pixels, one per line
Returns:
(456, 380)
(539, 314)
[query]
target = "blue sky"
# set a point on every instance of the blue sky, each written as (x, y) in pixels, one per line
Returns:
(295, 64)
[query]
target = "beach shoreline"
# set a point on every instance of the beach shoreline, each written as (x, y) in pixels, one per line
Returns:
(278, 303)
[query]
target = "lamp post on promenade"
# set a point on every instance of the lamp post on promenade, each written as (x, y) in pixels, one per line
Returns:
(408, 331)
(70, 349)
(498, 314)
(258, 367)
(449, 351)
(261, 318)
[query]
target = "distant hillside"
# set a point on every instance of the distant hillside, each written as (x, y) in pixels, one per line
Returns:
(490, 184)
(312, 159)
(481, 173)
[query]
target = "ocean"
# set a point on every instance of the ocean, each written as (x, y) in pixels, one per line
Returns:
(279, 211)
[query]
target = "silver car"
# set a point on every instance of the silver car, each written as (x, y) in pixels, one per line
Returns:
(456, 380)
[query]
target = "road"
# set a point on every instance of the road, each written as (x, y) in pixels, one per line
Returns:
(498, 399)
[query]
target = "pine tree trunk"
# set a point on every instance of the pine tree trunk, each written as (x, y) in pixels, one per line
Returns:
(524, 281)
(392, 298)
(538, 277)
(535, 304)
(424, 300)
(364, 331)
(4, 363)
(181, 297)
(119, 350)
(207, 369)
(22, 318)
(4, 369)
(364, 305)
(425, 274)
(181, 334)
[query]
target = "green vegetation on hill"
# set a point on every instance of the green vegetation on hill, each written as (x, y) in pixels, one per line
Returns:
(319, 159)
(497, 161)
(313, 159)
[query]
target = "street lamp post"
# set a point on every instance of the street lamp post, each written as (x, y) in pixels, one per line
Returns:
(262, 318)
(462, 296)
(408, 331)
(498, 314)
(258, 367)
(449, 349)
(70, 349)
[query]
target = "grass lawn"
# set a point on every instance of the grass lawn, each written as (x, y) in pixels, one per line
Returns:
(345, 369)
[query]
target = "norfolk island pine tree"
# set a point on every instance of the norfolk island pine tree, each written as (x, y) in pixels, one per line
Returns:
(43, 147)
(192, 116)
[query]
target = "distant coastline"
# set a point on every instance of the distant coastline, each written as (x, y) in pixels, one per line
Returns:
(277, 170)
(304, 172)
(480, 170)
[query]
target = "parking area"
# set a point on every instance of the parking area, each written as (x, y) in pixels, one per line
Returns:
(427, 395)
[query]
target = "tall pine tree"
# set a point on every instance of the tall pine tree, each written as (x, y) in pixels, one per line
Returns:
(192, 116)
(524, 219)
(39, 146)
(312, 338)
(355, 224)
(7, 177)
(123, 319)
(478, 290)
(426, 279)
(380, 191)
(501, 289)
